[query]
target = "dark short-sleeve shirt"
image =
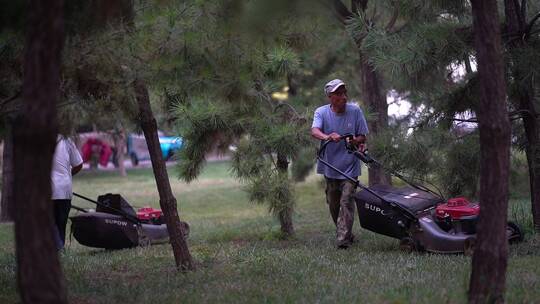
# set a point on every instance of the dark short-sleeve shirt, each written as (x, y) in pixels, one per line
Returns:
(351, 121)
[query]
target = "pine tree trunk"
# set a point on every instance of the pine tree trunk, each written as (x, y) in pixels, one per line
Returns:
(6, 209)
(532, 131)
(531, 125)
(285, 215)
(489, 262)
(375, 98)
(373, 93)
(166, 199)
(291, 83)
(120, 144)
(39, 276)
(116, 11)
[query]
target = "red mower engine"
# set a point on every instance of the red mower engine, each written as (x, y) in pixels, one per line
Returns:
(150, 215)
(458, 214)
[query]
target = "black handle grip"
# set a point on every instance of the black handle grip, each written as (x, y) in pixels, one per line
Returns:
(364, 157)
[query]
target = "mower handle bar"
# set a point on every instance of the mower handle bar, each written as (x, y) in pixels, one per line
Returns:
(79, 209)
(356, 182)
(129, 217)
(368, 160)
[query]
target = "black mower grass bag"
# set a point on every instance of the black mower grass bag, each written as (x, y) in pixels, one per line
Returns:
(114, 204)
(116, 225)
(381, 217)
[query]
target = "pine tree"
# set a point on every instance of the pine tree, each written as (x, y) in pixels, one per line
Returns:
(362, 18)
(427, 50)
(523, 47)
(434, 43)
(227, 96)
(488, 277)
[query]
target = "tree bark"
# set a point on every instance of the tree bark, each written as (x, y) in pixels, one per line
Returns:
(489, 262)
(119, 137)
(375, 98)
(116, 11)
(6, 209)
(39, 276)
(532, 131)
(372, 90)
(166, 198)
(285, 215)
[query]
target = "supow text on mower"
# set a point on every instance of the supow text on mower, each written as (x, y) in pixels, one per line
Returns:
(374, 208)
(115, 222)
(381, 211)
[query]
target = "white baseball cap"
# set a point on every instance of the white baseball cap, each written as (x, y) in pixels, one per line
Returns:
(332, 86)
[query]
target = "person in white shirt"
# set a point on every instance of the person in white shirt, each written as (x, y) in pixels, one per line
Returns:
(67, 161)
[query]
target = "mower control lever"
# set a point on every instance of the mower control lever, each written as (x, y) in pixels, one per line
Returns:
(346, 136)
(364, 156)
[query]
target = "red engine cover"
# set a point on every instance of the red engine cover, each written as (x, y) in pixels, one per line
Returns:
(148, 213)
(456, 208)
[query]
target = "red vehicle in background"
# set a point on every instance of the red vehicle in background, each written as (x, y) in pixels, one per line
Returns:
(95, 147)
(99, 148)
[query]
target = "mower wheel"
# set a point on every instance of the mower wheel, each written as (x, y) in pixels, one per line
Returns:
(408, 244)
(468, 246)
(516, 235)
(185, 227)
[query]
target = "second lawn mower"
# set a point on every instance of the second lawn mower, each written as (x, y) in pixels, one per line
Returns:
(417, 216)
(116, 225)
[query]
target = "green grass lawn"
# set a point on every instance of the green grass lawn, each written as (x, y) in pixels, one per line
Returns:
(241, 259)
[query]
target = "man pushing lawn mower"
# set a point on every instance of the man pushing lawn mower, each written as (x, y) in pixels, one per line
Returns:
(420, 218)
(329, 123)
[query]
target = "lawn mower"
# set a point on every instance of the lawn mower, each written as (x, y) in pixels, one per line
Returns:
(116, 225)
(414, 214)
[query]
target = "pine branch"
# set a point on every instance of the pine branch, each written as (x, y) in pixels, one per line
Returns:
(297, 116)
(531, 24)
(354, 6)
(358, 5)
(464, 136)
(514, 115)
(392, 21)
(519, 13)
(534, 32)
(9, 99)
(399, 29)
(18, 107)
(524, 13)
(374, 16)
(363, 4)
(342, 11)
(325, 69)
(519, 112)
(5, 45)
(265, 96)
(472, 120)
(467, 34)
(468, 66)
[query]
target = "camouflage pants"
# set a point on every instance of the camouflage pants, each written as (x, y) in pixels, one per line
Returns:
(339, 197)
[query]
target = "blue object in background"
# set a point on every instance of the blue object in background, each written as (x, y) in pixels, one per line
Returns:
(169, 145)
(138, 150)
